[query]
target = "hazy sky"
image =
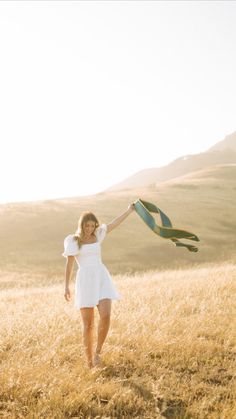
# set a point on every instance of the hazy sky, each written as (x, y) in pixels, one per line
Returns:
(92, 92)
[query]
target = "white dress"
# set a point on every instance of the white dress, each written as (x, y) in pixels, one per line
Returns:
(93, 280)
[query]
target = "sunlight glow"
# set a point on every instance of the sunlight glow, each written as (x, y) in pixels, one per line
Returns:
(92, 92)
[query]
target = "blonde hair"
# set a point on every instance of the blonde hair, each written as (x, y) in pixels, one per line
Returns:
(85, 216)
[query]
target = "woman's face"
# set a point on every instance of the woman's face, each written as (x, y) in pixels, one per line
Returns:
(89, 227)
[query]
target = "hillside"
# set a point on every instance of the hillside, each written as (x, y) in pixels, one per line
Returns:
(223, 152)
(169, 353)
(32, 234)
(229, 143)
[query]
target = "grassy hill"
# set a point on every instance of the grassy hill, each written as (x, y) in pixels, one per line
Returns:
(222, 153)
(32, 234)
(179, 167)
(170, 351)
(228, 143)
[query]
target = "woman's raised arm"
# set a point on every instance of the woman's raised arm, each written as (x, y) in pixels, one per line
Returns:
(114, 223)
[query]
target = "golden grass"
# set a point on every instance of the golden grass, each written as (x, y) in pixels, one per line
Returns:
(170, 351)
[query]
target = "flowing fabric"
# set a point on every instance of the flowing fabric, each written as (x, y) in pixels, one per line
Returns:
(166, 231)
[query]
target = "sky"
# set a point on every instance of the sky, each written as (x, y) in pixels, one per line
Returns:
(93, 92)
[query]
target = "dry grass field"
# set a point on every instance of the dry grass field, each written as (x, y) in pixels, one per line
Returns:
(170, 351)
(171, 348)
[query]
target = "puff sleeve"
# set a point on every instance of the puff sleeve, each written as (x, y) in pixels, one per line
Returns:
(70, 246)
(101, 232)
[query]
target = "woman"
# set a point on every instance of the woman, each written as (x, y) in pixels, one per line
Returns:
(94, 285)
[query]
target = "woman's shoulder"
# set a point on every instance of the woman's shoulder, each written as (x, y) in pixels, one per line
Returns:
(102, 226)
(101, 232)
(70, 238)
(70, 245)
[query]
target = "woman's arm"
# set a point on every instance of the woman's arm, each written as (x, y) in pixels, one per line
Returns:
(114, 223)
(68, 272)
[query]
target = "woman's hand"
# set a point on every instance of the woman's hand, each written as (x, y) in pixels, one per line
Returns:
(67, 294)
(131, 207)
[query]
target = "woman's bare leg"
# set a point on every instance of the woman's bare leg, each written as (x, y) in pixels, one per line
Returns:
(87, 314)
(104, 308)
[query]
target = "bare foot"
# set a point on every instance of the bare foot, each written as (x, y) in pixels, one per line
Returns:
(97, 359)
(90, 364)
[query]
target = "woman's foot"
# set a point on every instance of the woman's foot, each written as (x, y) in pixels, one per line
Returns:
(97, 359)
(90, 364)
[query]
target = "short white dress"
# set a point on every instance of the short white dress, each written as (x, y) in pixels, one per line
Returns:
(93, 280)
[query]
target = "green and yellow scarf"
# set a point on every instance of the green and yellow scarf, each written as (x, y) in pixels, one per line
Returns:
(166, 231)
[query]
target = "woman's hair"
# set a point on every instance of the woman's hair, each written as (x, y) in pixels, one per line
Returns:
(85, 216)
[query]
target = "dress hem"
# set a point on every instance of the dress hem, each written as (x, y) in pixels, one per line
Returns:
(103, 298)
